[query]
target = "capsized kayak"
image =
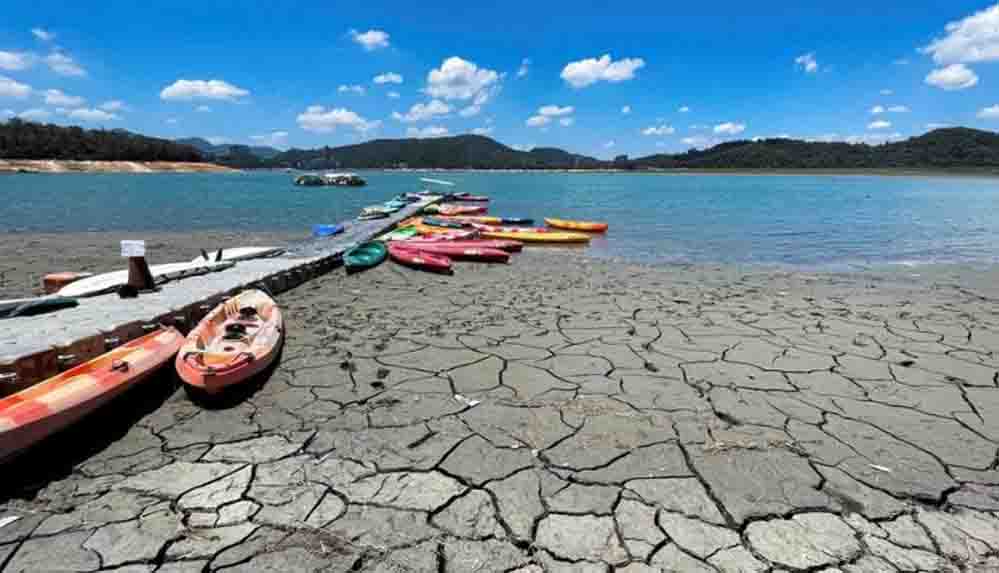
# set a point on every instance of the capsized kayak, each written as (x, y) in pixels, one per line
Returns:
(536, 236)
(364, 256)
(419, 259)
(235, 341)
(29, 416)
(503, 245)
(588, 226)
(13, 308)
(488, 220)
(460, 252)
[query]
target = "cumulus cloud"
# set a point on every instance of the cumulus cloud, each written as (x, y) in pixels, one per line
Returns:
(659, 130)
(729, 128)
(64, 65)
(872, 138)
(524, 68)
(470, 111)
(886, 92)
(35, 114)
(877, 109)
(897, 109)
(953, 77)
(15, 61)
(57, 97)
(991, 112)
(13, 89)
(85, 114)
(524, 146)
(371, 40)
(388, 78)
(278, 139)
(807, 62)
(684, 109)
(538, 120)
(423, 111)
(483, 130)
(972, 39)
(186, 90)
(43, 35)
(114, 105)
(217, 140)
(354, 89)
(429, 131)
(697, 141)
(589, 71)
(879, 124)
(393, 95)
(318, 119)
(567, 121)
(460, 79)
(555, 111)
(626, 109)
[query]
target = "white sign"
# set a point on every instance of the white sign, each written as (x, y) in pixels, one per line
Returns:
(133, 248)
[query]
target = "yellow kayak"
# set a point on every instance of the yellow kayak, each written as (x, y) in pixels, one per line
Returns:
(589, 226)
(536, 236)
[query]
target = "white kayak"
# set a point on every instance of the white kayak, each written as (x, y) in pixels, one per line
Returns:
(107, 282)
(241, 254)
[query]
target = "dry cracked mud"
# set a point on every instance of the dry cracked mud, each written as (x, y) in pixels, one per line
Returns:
(555, 415)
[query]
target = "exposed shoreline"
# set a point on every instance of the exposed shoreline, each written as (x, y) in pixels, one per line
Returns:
(72, 166)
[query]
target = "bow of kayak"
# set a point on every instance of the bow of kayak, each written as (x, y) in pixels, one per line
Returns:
(587, 226)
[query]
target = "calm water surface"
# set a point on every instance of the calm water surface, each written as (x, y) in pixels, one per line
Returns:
(794, 220)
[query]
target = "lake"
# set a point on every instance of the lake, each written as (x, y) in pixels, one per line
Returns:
(794, 220)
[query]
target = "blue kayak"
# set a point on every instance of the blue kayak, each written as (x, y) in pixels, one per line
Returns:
(326, 230)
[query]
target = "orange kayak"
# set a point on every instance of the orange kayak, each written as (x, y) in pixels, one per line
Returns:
(588, 226)
(236, 340)
(29, 416)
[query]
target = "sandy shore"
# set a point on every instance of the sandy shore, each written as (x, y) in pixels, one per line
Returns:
(558, 414)
(66, 166)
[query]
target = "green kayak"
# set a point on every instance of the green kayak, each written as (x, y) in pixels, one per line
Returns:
(400, 234)
(364, 256)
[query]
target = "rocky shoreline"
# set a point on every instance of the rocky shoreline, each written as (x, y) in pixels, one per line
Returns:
(66, 166)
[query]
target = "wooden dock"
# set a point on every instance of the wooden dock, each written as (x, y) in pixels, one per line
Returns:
(35, 348)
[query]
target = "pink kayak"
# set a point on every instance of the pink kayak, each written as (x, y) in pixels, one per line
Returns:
(469, 198)
(459, 252)
(501, 244)
(413, 257)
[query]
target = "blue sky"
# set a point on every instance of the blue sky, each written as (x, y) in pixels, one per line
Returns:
(596, 78)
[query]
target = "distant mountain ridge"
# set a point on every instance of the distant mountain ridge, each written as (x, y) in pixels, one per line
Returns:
(208, 148)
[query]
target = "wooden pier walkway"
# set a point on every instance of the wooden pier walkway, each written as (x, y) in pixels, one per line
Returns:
(35, 348)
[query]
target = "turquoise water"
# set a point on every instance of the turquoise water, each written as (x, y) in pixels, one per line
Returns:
(795, 220)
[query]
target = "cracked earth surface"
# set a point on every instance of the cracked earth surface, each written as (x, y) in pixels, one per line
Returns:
(555, 415)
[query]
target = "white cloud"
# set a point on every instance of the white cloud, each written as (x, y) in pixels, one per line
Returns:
(318, 119)
(729, 128)
(887, 92)
(626, 109)
(897, 109)
(34, 114)
(217, 140)
(423, 111)
(57, 97)
(991, 112)
(567, 121)
(609, 144)
(877, 109)
(371, 40)
(937, 125)
(879, 124)
(84, 114)
(462, 80)
(538, 120)
(470, 111)
(429, 131)
(114, 105)
(393, 95)
(525, 146)
(186, 90)
(807, 62)
(64, 65)
(355, 89)
(43, 35)
(872, 138)
(15, 61)
(973, 39)
(592, 70)
(14, 89)
(277, 139)
(524, 68)
(684, 109)
(555, 111)
(388, 78)
(172, 120)
(203, 109)
(952, 77)
(482, 130)
(659, 130)
(697, 141)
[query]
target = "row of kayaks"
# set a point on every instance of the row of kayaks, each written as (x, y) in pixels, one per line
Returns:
(232, 344)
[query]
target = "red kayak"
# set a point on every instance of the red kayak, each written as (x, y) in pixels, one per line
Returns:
(501, 244)
(469, 198)
(448, 209)
(463, 253)
(412, 257)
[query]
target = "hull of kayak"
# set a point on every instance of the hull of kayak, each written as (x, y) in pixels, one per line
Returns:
(33, 414)
(107, 282)
(586, 226)
(503, 245)
(488, 220)
(53, 282)
(469, 198)
(460, 252)
(236, 341)
(451, 210)
(34, 306)
(417, 259)
(241, 254)
(364, 256)
(536, 236)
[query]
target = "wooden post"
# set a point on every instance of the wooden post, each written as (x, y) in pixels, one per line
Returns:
(139, 276)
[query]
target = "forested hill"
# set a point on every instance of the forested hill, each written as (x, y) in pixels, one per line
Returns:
(28, 140)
